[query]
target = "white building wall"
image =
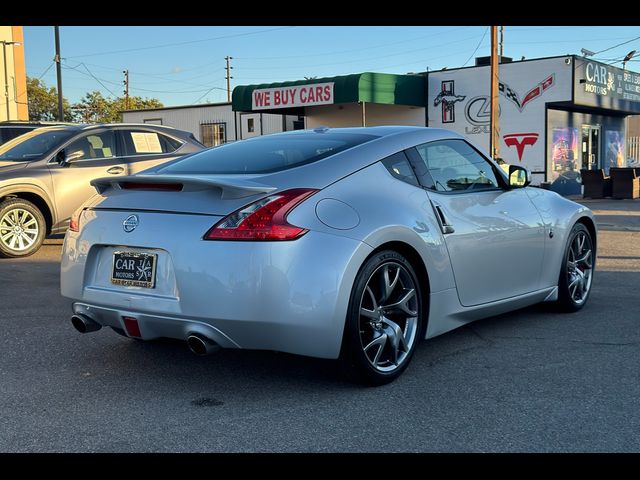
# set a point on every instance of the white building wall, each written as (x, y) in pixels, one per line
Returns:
(522, 106)
(350, 115)
(190, 118)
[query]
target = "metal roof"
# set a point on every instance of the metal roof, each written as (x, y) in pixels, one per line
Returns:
(177, 107)
(367, 87)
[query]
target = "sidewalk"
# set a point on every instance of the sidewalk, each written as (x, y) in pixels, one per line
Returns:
(621, 215)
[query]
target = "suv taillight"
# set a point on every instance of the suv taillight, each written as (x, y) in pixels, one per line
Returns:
(74, 223)
(262, 220)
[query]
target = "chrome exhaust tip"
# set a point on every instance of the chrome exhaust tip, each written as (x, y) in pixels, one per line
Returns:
(84, 324)
(201, 345)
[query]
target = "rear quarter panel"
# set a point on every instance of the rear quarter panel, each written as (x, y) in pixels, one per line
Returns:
(388, 210)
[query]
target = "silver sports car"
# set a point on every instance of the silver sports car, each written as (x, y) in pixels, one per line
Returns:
(349, 243)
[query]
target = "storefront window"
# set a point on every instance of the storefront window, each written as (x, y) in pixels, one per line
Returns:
(565, 151)
(614, 153)
(565, 162)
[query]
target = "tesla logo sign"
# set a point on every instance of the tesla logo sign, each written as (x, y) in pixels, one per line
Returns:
(532, 94)
(520, 140)
(448, 99)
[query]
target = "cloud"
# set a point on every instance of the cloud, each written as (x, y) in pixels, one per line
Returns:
(176, 70)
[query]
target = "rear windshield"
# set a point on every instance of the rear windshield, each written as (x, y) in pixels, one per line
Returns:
(267, 154)
(34, 144)
(7, 133)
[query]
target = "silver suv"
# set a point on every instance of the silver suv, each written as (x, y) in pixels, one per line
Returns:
(45, 173)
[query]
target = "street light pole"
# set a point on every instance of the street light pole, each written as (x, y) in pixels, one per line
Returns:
(6, 74)
(628, 57)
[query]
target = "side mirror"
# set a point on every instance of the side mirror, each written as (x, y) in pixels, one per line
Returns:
(518, 177)
(61, 158)
(64, 158)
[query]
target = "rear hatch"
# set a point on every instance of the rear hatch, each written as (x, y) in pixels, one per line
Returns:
(152, 224)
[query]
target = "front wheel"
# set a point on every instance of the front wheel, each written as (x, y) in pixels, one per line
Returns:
(22, 228)
(384, 320)
(576, 274)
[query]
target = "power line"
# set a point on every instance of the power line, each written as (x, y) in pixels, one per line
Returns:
(48, 68)
(339, 52)
(396, 54)
(175, 44)
(616, 46)
(176, 91)
(100, 81)
(479, 43)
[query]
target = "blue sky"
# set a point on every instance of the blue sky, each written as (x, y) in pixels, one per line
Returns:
(185, 65)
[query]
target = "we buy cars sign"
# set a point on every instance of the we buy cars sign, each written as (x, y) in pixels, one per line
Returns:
(294, 96)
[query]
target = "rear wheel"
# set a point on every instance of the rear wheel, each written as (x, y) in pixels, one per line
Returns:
(576, 274)
(22, 228)
(384, 320)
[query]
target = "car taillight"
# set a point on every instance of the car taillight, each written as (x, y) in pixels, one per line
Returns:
(74, 223)
(262, 220)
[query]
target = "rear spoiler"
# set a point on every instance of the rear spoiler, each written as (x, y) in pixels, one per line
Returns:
(231, 188)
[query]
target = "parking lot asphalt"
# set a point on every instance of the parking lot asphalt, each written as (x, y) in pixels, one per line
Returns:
(529, 381)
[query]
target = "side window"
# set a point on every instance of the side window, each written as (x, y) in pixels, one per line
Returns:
(454, 166)
(140, 142)
(398, 166)
(169, 144)
(93, 146)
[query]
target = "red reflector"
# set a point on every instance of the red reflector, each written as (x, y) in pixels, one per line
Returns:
(167, 187)
(131, 324)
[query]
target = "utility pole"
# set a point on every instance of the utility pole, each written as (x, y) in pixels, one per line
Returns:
(494, 145)
(228, 77)
(59, 74)
(501, 41)
(126, 89)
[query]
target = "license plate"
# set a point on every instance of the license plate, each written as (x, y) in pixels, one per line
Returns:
(134, 269)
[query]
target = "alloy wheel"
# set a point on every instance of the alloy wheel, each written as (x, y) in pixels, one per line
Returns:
(388, 317)
(18, 229)
(580, 267)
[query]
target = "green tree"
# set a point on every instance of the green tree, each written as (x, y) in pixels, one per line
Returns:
(95, 108)
(43, 102)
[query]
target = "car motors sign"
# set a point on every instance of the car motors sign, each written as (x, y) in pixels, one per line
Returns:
(292, 96)
(601, 85)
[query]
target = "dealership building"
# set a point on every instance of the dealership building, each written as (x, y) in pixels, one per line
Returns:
(557, 114)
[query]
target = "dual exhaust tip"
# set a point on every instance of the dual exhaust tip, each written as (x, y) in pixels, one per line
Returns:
(201, 345)
(84, 324)
(197, 343)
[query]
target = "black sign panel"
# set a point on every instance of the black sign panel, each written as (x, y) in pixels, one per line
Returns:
(604, 86)
(134, 269)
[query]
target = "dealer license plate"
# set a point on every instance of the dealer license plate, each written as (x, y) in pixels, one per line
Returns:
(134, 269)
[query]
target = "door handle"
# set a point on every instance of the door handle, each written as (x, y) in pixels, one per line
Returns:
(445, 226)
(115, 170)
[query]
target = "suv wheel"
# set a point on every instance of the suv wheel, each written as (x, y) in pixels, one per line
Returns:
(22, 228)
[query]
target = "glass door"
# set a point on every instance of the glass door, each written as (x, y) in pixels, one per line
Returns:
(591, 147)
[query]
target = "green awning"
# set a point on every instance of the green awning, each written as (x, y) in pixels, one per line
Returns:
(367, 87)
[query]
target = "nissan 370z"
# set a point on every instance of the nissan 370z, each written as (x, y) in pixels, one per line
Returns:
(348, 243)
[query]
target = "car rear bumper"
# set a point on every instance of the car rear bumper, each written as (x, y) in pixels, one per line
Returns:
(284, 296)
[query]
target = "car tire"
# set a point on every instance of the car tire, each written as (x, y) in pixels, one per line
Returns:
(384, 320)
(22, 228)
(576, 272)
